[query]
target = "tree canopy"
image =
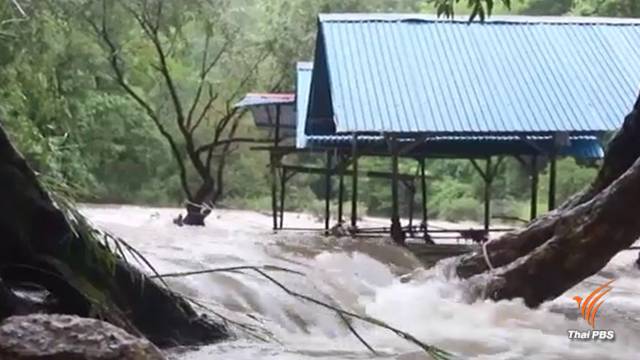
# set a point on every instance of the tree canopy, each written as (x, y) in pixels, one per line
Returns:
(64, 107)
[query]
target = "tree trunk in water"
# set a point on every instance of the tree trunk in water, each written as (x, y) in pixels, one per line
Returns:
(585, 239)
(196, 209)
(559, 249)
(39, 245)
(622, 152)
(195, 216)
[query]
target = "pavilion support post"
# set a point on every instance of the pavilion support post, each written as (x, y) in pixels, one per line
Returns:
(273, 164)
(534, 187)
(488, 175)
(396, 227)
(276, 137)
(327, 190)
(488, 179)
(341, 191)
(425, 216)
(283, 186)
(412, 198)
(552, 181)
(354, 182)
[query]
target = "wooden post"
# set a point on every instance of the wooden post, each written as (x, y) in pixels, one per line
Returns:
(395, 214)
(534, 187)
(425, 214)
(274, 190)
(341, 190)
(552, 182)
(283, 184)
(487, 194)
(354, 182)
(423, 185)
(327, 189)
(412, 197)
(396, 227)
(276, 138)
(274, 160)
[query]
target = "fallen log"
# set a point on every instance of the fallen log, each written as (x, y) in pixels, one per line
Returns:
(622, 151)
(41, 245)
(584, 240)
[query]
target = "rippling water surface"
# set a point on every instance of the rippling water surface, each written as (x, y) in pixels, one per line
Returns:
(370, 277)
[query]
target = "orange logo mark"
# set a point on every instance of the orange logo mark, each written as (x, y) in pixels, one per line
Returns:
(587, 308)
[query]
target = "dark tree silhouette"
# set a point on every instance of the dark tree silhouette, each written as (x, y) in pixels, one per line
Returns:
(205, 149)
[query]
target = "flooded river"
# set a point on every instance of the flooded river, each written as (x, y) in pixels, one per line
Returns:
(369, 277)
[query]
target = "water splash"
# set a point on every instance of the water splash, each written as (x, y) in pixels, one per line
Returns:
(366, 276)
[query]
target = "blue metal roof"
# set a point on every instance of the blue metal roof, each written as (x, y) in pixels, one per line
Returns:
(266, 107)
(257, 99)
(303, 84)
(415, 74)
(579, 147)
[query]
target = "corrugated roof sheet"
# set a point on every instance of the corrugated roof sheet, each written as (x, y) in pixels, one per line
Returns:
(266, 107)
(580, 147)
(303, 84)
(411, 73)
(256, 99)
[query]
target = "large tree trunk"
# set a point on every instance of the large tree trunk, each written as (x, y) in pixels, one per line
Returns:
(39, 245)
(559, 249)
(585, 239)
(622, 152)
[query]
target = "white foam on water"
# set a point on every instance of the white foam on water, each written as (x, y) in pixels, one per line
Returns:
(369, 277)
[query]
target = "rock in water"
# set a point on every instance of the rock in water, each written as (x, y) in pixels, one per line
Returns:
(66, 337)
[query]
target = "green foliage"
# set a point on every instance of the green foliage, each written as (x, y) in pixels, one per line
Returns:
(572, 177)
(613, 8)
(461, 209)
(477, 9)
(544, 7)
(480, 9)
(75, 125)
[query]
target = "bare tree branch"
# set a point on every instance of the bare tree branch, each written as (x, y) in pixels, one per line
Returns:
(234, 141)
(114, 61)
(19, 8)
(249, 74)
(163, 67)
(232, 115)
(189, 114)
(223, 159)
(204, 71)
(205, 109)
(154, 36)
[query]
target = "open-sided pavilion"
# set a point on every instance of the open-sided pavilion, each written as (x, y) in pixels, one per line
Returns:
(411, 86)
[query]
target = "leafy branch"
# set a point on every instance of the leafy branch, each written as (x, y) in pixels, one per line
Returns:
(190, 148)
(479, 8)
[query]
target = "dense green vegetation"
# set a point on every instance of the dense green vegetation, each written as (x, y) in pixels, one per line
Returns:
(63, 107)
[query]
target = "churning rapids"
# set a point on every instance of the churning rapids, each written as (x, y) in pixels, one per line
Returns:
(366, 276)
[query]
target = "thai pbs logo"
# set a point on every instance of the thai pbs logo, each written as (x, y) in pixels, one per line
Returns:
(589, 309)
